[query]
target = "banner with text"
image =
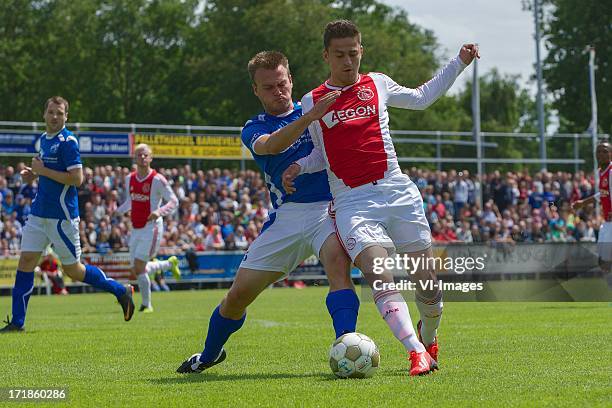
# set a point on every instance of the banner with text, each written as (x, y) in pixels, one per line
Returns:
(91, 144)
(16, 143)
(94, 144)
(193, 146)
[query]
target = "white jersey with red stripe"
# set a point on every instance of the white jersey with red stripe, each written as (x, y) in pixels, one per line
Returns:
(145, 195)
(604, 241)
(353, 140)
(158, 189)
(375, 203)
(605, 178)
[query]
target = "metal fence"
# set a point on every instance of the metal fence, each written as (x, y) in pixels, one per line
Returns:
(439, 139)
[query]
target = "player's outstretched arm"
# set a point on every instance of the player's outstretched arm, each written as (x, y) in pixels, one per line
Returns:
(576, 205)
(426, 94)
(281, 139)
(72, 177)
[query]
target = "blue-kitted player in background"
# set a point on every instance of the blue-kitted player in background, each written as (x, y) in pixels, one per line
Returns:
(55, 217)
(299, 225)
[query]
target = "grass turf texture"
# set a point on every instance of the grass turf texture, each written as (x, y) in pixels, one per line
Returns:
(555, 354)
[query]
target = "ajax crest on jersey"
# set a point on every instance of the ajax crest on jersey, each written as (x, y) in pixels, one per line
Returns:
(364, 93)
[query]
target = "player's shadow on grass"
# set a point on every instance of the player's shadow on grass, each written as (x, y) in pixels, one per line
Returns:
(199, 378)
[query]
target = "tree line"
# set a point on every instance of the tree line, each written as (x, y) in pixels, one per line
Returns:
(184, 61)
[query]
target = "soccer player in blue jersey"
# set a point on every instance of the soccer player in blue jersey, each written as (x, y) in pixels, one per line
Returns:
(55, 217)
(299, 225)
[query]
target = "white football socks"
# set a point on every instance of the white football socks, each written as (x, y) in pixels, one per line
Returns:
(144, 284)
(394, 311)
(431, 314)
(156, 266)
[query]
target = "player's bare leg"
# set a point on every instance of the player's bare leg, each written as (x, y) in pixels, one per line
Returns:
(337, 264)
(75, 271)
(342, 301)
(229, 317)
(28, 261)
(249, 283)
(428, 297)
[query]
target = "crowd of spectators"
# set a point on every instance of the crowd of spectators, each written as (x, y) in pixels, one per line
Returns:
(516, 206)
(226, 209)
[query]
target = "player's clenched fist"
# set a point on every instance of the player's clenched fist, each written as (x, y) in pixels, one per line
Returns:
(468, 52)
(37, 165)
(289, 177)
(27, 175)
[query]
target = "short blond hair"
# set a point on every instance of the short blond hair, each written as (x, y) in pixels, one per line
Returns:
(143, 146)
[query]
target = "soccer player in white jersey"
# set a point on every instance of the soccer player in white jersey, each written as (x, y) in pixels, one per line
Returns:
(379, 210)
(299, 225)
(146, 190)
(604, 241)
(55, 217)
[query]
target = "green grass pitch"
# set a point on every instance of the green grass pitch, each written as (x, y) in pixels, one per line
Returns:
(492, 354)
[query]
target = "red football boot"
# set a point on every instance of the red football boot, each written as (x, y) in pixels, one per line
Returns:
(432, 348)
(421, 363)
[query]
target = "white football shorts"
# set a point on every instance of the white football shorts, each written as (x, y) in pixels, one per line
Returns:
(388, 212)
(604, 241)
(292, 233)
(39, 232)
(144, 242)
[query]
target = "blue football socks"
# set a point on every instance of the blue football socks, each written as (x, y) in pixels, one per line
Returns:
(24, 285)
(219, 331)
(343, 307)
(96, 278)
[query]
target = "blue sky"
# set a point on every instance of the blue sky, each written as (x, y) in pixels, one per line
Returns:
(504, 32)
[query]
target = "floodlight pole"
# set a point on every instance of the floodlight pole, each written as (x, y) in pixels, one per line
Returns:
(476, 128)
(540, 98)
(594, 122)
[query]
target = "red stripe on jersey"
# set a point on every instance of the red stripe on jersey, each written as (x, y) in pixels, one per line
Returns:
(351, 134)
(604, 191)
(140, 194)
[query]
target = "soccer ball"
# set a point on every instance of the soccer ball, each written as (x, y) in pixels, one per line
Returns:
(354, 355)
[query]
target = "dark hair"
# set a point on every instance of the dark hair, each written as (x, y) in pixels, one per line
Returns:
(340, 29)
(267, 60)
(57, 100)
